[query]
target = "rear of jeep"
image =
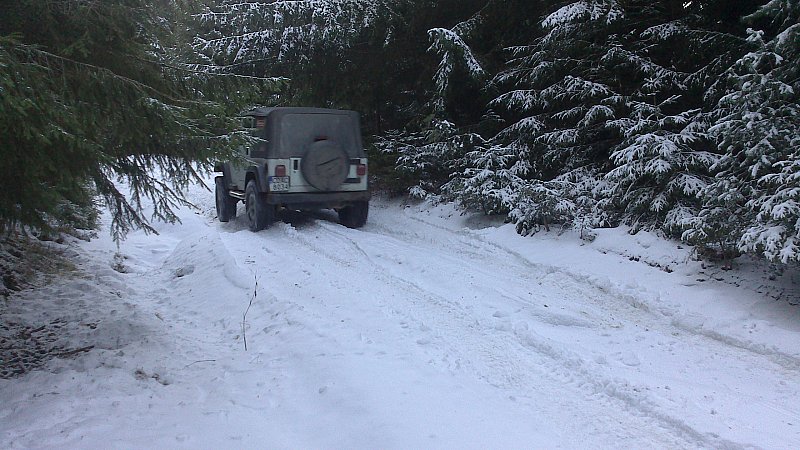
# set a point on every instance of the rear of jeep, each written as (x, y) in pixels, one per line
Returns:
(306, 159)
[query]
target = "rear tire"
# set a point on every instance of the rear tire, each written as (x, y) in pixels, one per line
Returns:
(355, 215)
(260, 215)
(226, 205)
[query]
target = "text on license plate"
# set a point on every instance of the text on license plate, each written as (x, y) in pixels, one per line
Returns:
(277, 184)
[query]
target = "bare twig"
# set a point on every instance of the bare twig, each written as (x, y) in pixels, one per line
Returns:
(244, 317)
(200, 361)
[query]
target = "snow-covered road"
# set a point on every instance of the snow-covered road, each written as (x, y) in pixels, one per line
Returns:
(424, 329)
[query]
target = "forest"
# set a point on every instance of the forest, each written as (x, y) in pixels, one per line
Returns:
(673, 115)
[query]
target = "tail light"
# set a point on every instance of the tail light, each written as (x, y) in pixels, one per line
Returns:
(361, 170)
(280, 171)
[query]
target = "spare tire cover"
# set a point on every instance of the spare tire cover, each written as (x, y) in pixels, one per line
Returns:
(325, 165)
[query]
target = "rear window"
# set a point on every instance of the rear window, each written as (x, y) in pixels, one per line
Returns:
(297, 131)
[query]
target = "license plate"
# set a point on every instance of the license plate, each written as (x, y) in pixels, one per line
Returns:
(278, 184)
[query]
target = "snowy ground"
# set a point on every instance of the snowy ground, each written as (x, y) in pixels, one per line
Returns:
(425, 329)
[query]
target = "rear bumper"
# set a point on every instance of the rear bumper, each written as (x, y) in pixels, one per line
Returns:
(317, 200)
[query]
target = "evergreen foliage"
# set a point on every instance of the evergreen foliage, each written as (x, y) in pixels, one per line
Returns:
(367, 55)
(426, 158)
(664, 115)
(756, 195)
(95, 94)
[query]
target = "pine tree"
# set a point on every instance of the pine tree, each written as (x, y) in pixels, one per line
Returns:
(547, 127)
(556, 101)
(426, 160)
(488, 180)
(757, 125)
(366, 55)
(662, 169)
(572, 200)
(485, 176)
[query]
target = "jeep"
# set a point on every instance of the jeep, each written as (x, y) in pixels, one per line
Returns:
(305, 159)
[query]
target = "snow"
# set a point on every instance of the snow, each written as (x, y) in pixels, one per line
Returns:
(424, 329)
(584, 10)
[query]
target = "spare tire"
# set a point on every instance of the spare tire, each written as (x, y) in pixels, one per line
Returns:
(325, 165)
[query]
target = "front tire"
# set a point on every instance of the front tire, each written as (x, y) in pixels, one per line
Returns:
(355, 215)
(260, 215)
(226, 205)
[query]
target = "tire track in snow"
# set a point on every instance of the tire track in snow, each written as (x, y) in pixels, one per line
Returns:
(637, 308)
(562, 367)
(634, 312)
(787, 361)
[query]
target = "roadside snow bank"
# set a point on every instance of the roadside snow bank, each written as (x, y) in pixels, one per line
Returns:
(201, 261)
(119, 339)
(748, 307)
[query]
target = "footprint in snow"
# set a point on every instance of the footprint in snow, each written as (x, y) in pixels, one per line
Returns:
(183, 271)
(630, 359)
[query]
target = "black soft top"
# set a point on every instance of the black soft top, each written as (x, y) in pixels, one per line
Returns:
(283, 110)
(290, 130)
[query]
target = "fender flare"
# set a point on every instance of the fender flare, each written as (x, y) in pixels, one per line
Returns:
(259, 174)
(225, 168)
